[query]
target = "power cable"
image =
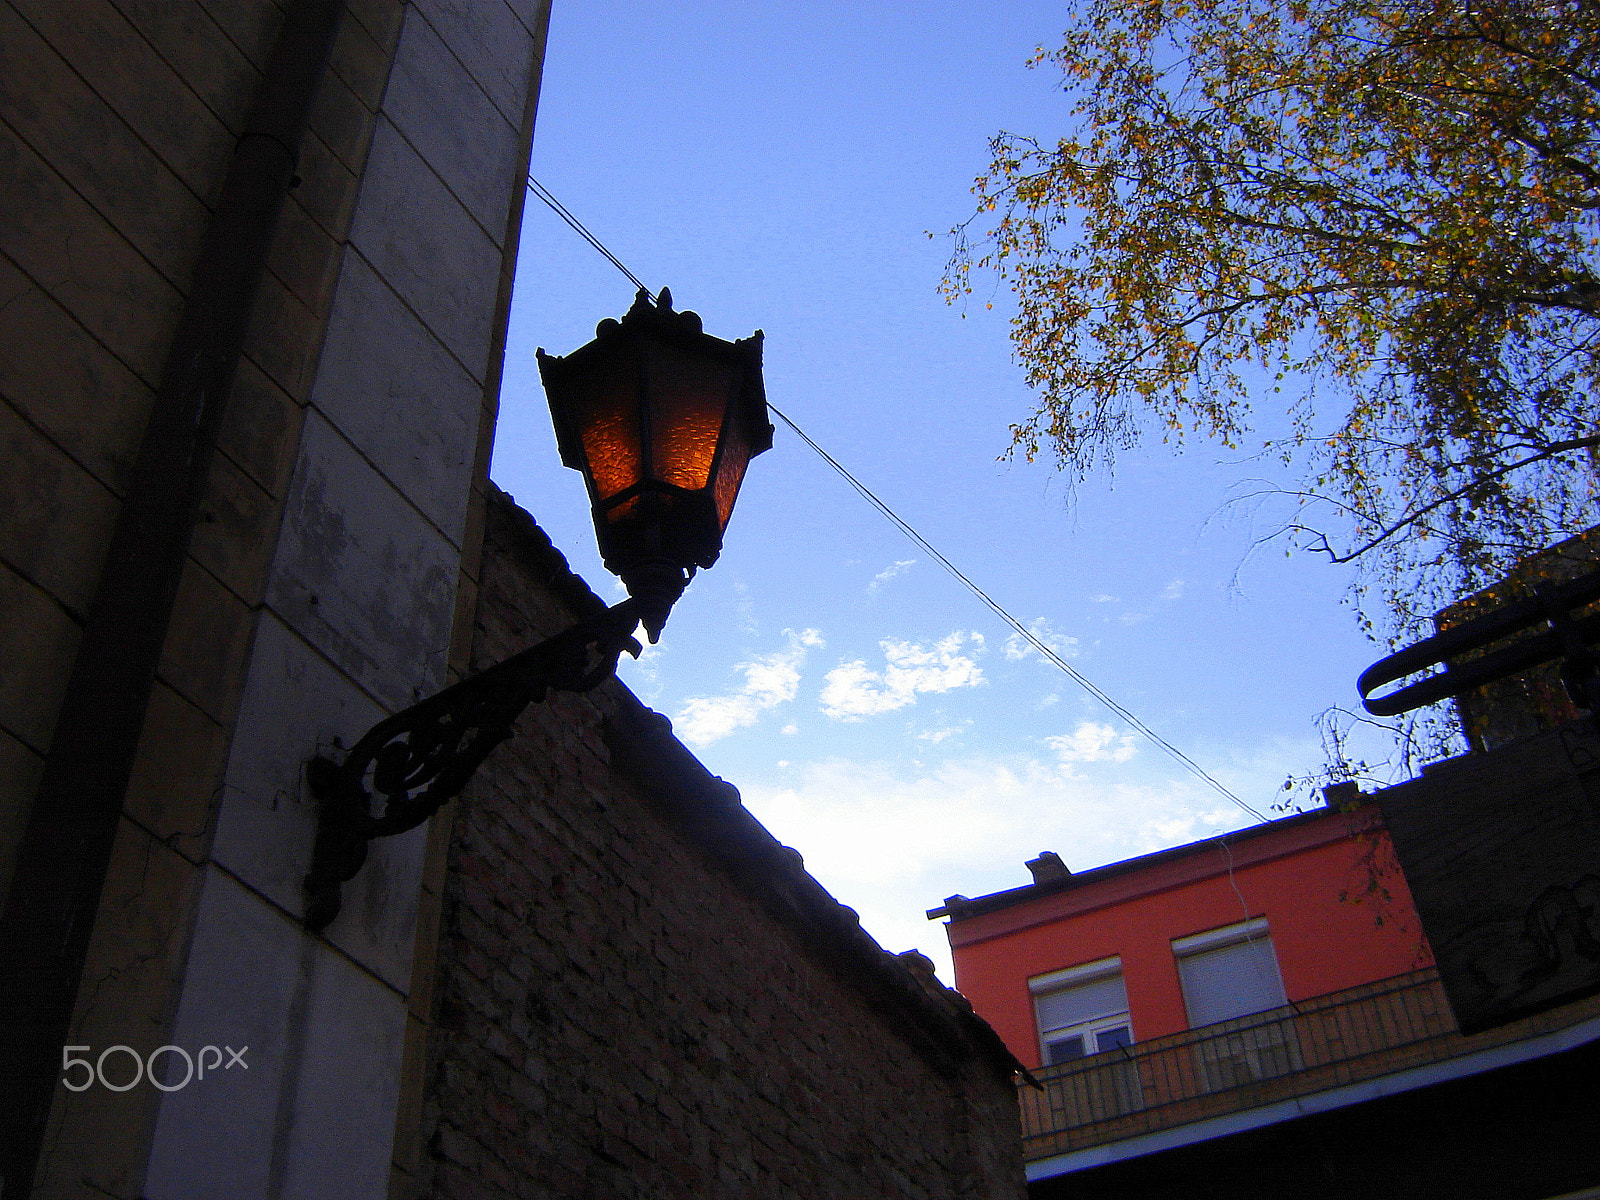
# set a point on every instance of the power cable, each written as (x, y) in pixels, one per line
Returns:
(560, 209)
(866, 493)
(1022, 630)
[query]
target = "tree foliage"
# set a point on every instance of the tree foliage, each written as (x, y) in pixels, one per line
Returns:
(1379, 216)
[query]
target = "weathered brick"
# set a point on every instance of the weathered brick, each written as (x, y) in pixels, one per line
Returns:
(632, 1022)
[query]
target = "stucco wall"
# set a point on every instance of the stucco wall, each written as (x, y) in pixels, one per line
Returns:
(1313, 880)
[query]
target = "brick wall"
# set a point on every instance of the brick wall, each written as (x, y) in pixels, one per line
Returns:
(639, 993)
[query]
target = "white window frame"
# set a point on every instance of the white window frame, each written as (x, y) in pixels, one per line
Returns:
(1091, 1027)
(1103, 1091)
(1090, 1032)
(1215, 939)
(1241, 933)
(1248, 1054)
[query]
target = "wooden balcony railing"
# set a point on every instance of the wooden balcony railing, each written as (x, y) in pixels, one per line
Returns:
(1326, 1042)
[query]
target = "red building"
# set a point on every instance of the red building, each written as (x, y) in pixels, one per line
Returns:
(1259, 1012)
(1264, 908)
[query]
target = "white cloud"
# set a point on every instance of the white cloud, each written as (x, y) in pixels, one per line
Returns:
(935, 736)
(1173, 591)
(849, 691)
(645, 675)
(707, 719)
(1090, 742)
(769, 681)
(746, 608)
(1102, 598)
(853, 690)
(892, 840)
(888, 573)
(1064, 645)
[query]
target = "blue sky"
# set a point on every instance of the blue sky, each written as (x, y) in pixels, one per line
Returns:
(780, 167)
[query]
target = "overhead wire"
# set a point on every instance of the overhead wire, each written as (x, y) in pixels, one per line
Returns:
(560, 209)
(1045, 650)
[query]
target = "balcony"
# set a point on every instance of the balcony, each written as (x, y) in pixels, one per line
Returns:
(1326, 1042)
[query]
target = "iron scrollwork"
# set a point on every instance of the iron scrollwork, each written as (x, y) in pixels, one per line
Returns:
(419, 758)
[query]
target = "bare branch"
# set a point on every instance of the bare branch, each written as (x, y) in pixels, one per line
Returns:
(1415, 515)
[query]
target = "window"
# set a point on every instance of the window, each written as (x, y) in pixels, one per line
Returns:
(1082, 1011)
(1229, 973)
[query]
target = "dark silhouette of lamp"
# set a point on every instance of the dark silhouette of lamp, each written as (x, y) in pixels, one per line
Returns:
(662, 420)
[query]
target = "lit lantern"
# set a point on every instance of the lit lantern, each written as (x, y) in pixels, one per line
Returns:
(662, 419)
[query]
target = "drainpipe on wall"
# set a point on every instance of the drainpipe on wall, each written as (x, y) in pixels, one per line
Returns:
(66, 849)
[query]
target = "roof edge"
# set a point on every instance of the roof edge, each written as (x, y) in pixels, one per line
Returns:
(960, 908)
(709, 812)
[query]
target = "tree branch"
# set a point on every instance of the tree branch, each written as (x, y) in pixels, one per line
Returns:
(1411, 518)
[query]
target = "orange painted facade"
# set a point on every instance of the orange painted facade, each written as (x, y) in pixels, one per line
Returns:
(1304, 874)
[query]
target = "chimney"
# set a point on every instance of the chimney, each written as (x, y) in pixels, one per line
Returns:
(1346, 794)
(1048, 867)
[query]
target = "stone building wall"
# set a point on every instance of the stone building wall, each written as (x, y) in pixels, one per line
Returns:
(117, 123)
(329, 577)
(639, 993)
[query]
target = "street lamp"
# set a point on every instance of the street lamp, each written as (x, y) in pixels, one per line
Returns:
(662, 420)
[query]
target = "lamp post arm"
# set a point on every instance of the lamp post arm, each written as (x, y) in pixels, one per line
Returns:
(423, 756)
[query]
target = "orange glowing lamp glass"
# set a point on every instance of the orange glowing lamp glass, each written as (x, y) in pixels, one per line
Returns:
(662, 419)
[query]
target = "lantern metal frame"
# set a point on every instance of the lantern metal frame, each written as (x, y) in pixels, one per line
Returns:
(420, 758)
(653, 533)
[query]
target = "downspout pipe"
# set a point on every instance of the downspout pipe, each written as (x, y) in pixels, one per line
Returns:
(62, 861)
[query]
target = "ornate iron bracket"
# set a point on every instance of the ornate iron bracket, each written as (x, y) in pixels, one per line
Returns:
(420, 758)
(1567, 637)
